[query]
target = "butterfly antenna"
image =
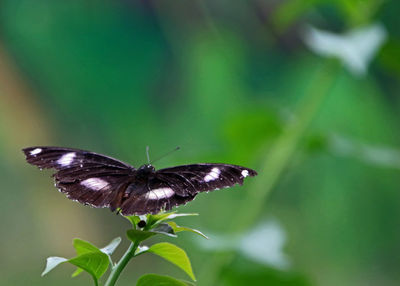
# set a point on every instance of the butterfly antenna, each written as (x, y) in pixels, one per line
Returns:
(147, 153)
(165, 155)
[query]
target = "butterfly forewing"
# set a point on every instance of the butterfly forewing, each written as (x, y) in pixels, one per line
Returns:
(64, 158)
(101, 181)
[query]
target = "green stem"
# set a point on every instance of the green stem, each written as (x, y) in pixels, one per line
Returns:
(117, 269)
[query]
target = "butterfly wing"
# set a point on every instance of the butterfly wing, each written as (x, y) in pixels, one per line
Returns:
(154, 199)
(195, 178)
(178, 185)
(64, 158)
(84, 176)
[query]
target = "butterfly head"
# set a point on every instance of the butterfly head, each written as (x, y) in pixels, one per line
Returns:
(145, 170)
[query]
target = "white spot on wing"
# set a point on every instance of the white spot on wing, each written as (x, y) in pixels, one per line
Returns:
(95, 184)
(66, 159)
(161, 193)
(36, 151)
(213, 175)
(245, 173)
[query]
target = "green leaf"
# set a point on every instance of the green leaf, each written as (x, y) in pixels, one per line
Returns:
(82, 246)
(173, 254)
(164, 228)
(89, 258)
(110, 248)
(177, 228)
(53, 262)
(95, 263)
(158, 280)
(137, 235)
(155, 219)
(77, 272)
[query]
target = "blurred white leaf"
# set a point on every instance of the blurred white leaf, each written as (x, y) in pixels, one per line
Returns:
(355, 48)
(382, 156)
(263, 244)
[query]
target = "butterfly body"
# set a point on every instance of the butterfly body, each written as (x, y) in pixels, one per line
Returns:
(101, 181)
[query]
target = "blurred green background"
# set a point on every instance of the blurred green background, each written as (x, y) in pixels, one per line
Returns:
(227, 81)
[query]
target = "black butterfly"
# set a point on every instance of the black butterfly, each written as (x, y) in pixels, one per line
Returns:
(102, 181)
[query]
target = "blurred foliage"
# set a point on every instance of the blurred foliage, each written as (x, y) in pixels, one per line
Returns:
(228, 83)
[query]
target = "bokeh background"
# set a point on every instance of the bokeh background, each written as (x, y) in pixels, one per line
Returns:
(305, 92)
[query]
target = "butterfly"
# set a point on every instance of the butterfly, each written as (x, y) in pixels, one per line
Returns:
(101, 181)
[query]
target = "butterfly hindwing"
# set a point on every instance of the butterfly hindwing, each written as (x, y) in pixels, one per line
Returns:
(98, 192)
(154, 200)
